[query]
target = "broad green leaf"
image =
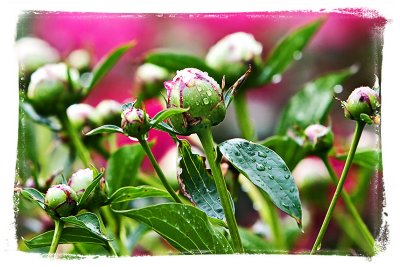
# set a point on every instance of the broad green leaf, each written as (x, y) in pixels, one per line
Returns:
(253, 243)
(366, 158)
(312, 103)
(123, 166)
(88, 221)
(185, 227)
(133, 192)
(264, 168)
(89, 190)
(166, 113)
(106, 129)
(162, 126)
(287, 51)
(174, 61)
(50, 123)
(197, 183)
(69, 235)
(35, 195)
(287, 148)
(106, 64)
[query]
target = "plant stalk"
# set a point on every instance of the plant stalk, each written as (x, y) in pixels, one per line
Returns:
(356, 138)
(243, 117)
(59, 225)
(207, 141)
(103, 229)
(158, 170)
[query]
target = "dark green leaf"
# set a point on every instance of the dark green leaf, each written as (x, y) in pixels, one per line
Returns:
(166, 113)
(185, 227)
(366, 158)
(69, 235)
(287, 148)
(264, 168)
(30, 111)
(130, 193)
(35, 195)
(123, 166)
(174, 61)
(106, 64)
(88, 221)
(312, 103)
(197, 183)
(286, 51)
(89, 190)
(106, 129)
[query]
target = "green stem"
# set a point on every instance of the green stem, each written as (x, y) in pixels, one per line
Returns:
(350, 206)
(104, 230)
(158, 170)
(75, 139)
(207, 141)
(59, 225)
(350, 156)
(243, 117)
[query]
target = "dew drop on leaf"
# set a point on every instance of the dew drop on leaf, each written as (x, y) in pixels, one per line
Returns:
(262, 154)
(260, 167)
(271, 177)
(206, 101)
(287, 176)
(269, 167)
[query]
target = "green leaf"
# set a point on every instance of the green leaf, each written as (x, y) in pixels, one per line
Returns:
(162, 126)
(253, 243)
(35, 195)
(166, 113)
(107, 63)
(231, 91)
(174, 61)
(123, 166)
(366, 158)
(197, 183)
(185, 227)
(286, 51)
(89, 190)
(133, 192)
(264, 168)
(287, 148)
(106, 129)
(30, 111)
(88, 221)
(312, 103)
(365, 118)
(69, 235)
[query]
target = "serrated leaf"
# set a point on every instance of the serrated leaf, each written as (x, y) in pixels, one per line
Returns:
(284, 53)
(264, 168)
(197, 183)
(35, 195)
(88, 221)
(30, 111)
(89, 190)
(366, 158)
(129, 193)
(186, 228)
(106, 129)
(174, 61)
(123, 166)
(166, 113)
(69, 235)
(312, 103)
(106, 64)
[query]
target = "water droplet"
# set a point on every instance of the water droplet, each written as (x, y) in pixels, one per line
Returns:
(280, 188)
(271, 177)
(246, 144)
(287, 176)
(319, 246)
(269, 167)
(206, 101)
(297, 55)
(209, 93)
(285, 205)
(338, 89)
(260, 167)
(292, 190)
(285, 168)
(251, 153)
(237, 153)
(262, 154)
(277, 78)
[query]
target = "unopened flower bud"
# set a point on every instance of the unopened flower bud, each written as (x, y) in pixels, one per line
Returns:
(194, 89)
(149, 80)
(233, 53)
(320, 138)
(80, 180)
(135, 122)
(79, 114)
(33, 53)
(50, 89)
(107, 112)
(362, 100)
(79, 59)
(62, 199)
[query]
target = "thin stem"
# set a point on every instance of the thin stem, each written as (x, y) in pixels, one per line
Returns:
(103, 229)
(207, 141)
(59, 225)
(350, 206)
(243, 117)
(75, 139)
(158, 170)
(350, 156)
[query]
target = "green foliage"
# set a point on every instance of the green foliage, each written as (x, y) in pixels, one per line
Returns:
(88, 221)
(130, 193)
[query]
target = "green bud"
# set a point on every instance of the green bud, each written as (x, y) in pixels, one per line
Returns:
(50, 90)
(319, 137)
(80, 114)
(194, 89)
(62, 199)
(135, 122)
(149, 80)
(80, 180)
(80, 60)
(362, 100)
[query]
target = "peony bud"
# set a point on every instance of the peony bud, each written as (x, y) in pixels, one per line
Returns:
(149, 80)
(361, 100)
(233, 53)
(320, 138)
(79, 114)
(51, 91)
(135, 122)
(33, 53)
(107, 112)
(202, 94)
(62, 199)
(80, 180)
(79, 59)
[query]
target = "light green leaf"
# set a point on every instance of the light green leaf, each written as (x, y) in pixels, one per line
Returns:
(129, 193)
